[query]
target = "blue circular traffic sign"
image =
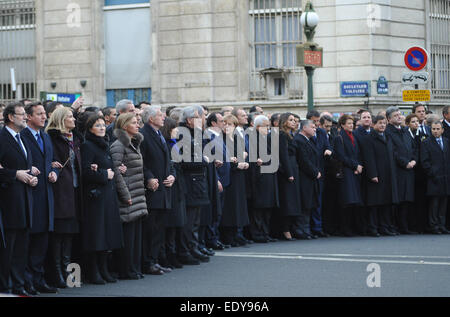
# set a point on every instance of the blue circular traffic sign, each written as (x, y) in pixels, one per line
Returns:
(416, 58)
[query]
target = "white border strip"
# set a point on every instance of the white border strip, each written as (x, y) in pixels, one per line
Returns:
(126, 6)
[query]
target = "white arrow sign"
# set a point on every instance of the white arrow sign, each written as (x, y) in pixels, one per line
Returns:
(412, 78)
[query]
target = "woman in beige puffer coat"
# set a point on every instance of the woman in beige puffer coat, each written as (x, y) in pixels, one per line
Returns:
(131, 192)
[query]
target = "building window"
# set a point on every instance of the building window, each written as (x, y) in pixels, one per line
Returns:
(279, 86)
(275, 31)
(440, 48)
(137, 95)
(17, 49)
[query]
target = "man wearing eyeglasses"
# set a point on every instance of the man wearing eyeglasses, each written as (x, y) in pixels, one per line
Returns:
(16, 182)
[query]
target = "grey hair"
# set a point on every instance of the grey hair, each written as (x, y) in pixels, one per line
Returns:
(189, 112)
(432, 118)
(259, 120)
(176, 114)
(199, 109)
(121, 105)
(304, 123)
(149, 112)
(391, 110)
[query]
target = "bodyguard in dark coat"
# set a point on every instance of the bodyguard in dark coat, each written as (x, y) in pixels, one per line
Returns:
(195, 175)
(264, 186)
(405, 155)
(67, 191)
(309, 174)
(16, 201)
(288, 177)
(435, 159)
(159, 177)
(381, 178)
(347, 151)
(43, 213)
(101, 227)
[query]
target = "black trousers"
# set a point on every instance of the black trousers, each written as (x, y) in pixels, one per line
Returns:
(402, 215)
(131, 253)
(190, 238)
(173, 240)
(303, 222)
(379, 218)
(347, 219)
(330, 212)
(13, 260)
(37, 251)
(288, 223)
(437, 210)
(153, 231)
(228, 235)
(260, 222)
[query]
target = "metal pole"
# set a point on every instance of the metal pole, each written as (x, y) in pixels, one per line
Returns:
(310, 74)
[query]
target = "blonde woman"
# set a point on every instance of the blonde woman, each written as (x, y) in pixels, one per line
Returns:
(67, 190)
(125, 151)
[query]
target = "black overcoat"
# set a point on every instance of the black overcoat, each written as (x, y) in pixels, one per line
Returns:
(436, 164)
(264, 186)
(65, 196)
(235, 210)
(405, 151)
(349, 187)
(379, 162)
(101, 228)
(289, 192)
(43, 202)
(156, 158)
(308, 169)
(177, 216)
(16, 199)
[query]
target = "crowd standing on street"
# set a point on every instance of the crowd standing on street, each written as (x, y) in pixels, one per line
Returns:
(129, 191)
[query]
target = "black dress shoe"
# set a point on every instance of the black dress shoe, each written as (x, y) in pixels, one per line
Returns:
(199, 256)
(270, 239)
(303, 236)
(188, 260)
(153, 270)
(140, 275)
(386, 233)
(163, 268)
(321, 234)
(373, 234)
(260, 240)
(216, 246)
(226, 246)
(21, 292)
(207, 252)
(444, 231)
(31, 290)
(249, 241)
(45, 288)
(313, 236)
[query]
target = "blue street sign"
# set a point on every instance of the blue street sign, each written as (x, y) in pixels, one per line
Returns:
(355, 88)
(382, 86)
(63, 98)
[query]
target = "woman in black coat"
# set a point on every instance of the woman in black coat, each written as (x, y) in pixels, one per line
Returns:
(288, 179)
(67, 190)
(234, 212)
(263, 186)
(101, 227)
(347, 151)
(176, 218)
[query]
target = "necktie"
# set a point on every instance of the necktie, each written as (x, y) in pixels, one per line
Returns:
(161, 137)
(20, 144)
(439, 141)
(424, 131)
(39, 141)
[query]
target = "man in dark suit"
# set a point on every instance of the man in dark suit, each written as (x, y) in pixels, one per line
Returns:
(214, 132)
(320, 140)
(309, 175)
(16, 201)
(43, 213)
(435, 159)
(423, 131)
(380, 178)
(446, 121)
(159, 176)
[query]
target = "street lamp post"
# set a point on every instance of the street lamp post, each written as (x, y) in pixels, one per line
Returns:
(309, 20)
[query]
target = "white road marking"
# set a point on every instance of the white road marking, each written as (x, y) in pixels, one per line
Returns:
(347, 255)
(329, 258)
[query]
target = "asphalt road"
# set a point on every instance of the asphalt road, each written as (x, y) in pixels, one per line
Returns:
(416, 265)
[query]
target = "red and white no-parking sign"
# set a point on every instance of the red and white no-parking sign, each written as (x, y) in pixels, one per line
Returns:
(416, 58)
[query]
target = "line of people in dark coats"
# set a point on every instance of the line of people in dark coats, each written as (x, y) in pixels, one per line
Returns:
(156, 191)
